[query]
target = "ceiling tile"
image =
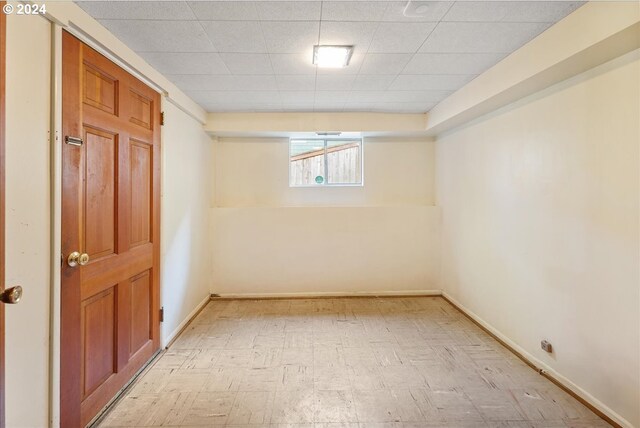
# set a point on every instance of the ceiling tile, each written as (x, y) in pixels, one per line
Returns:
(243, 107)
(160, 36)
(289, 10)
(148, 10)
(238, 97)
(411, 82)
(331, 96)
(481, 37)
(356, 34)
(397, 96)
(296, 96)
(296, 107)
(394, 37)
(224, 82)
(403, 107)
(211, 102)
(365, 96)
(384, 63)
(191, 82)
(290, 36)
(328, 106)
(241, 63)
(353, 10)
(334, 82)
(370, 82)
(235, 36)
(296, 82)
(451, 63)
(416, 11)
(254, 83)
(224, 10)
(510, 11)
(293, 64)
(357, 107)
(186, 63)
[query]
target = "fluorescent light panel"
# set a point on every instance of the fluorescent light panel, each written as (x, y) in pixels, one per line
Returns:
(332, 56)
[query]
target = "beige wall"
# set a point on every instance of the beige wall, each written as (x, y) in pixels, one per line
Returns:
(186, 198)
(540, 228)
(255, 172)
(270, 239)
(27, 220)
(323, 250)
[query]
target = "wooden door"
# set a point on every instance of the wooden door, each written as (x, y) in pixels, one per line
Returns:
(110, 212)
(3, 43)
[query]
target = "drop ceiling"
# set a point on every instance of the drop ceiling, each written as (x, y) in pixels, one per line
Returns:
(257, 55)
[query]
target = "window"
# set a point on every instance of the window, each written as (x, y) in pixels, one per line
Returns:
(335, 162)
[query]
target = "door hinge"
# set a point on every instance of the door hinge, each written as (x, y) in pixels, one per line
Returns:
(162, 314)
(161, 118)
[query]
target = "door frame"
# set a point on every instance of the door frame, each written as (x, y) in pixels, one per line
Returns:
(3, 54)
(57, 28)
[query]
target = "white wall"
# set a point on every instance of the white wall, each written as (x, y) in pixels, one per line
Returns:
(540, 227)
(27, 220)
(186, 198)
(271, 239)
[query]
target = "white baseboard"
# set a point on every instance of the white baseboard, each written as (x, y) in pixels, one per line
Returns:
(327, 294)
(541, 365)
(187, 320)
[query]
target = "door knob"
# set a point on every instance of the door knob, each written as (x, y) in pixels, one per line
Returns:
(11, 295)
(76, 259)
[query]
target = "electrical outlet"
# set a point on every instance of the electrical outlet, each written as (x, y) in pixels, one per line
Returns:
(546, 346)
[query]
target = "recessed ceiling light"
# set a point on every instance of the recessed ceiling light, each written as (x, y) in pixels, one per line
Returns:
(332, 56)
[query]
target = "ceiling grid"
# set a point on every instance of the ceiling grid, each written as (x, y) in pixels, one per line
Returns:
(246, 56)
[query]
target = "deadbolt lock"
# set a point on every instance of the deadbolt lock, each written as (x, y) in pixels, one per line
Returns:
(11, 295)
(76, 259)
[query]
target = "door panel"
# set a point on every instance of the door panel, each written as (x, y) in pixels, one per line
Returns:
(141, 198)
(100, 90)
(140, 316)
(110, 211)
(98, 333)
(141, 109)
(100, 192)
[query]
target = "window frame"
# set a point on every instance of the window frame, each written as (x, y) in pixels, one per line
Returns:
(326, 164)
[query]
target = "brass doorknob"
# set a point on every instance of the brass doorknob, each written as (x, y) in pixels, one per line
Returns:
(11, 295)
(76, 259)
(84, 259)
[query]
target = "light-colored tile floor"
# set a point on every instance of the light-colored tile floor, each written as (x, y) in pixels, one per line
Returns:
(342, 363)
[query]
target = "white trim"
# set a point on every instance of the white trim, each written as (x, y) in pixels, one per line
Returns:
(182, 109)
(187, 320)
(56, 223)
(329, 294)
(542, 366)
